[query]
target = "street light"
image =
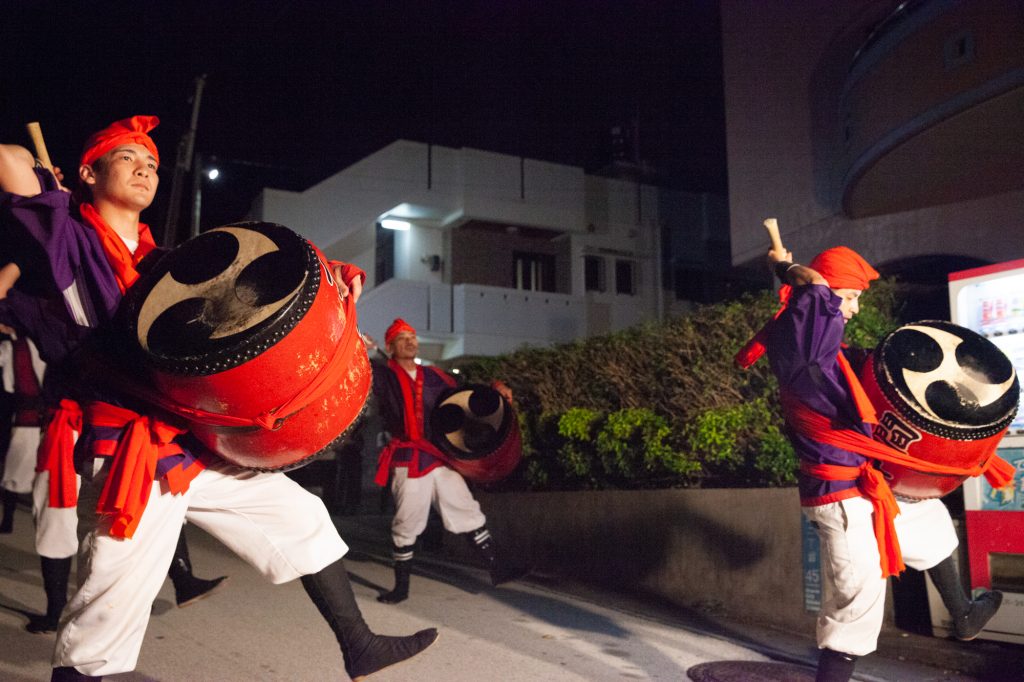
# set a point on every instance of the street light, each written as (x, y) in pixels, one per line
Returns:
(211, 173)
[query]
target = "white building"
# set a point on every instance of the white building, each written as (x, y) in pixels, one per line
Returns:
(492, 251)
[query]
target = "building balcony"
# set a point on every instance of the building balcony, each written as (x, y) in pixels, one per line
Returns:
(469, 319)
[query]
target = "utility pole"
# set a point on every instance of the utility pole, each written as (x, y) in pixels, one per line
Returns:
(197, 195)
(182, 165)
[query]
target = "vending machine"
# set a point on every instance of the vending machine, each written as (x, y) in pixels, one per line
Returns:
(990, 300)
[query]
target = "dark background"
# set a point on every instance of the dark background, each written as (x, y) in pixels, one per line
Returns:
(296, 91)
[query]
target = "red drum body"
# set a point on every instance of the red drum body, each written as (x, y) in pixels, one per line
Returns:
(944, 395)
(478, 430)
(239, 321)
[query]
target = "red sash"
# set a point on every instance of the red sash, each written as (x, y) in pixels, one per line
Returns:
(144, 439)
(57, 454)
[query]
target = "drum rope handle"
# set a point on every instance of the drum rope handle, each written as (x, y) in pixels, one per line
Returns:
(266, 419)
(818, 428)
(324, 378)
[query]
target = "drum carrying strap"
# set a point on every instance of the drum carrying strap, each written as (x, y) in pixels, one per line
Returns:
(870, 481)
(326, 379)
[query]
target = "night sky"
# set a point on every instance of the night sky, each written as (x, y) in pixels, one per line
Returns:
(296, 91)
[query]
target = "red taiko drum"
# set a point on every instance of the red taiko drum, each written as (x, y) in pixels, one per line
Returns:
(477, 428)
(944, 395)
(243, 328)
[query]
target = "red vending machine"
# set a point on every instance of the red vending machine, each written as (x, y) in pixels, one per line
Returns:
(990, 301)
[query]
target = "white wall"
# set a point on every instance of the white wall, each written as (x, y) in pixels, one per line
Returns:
(411, 246)
(533, 193)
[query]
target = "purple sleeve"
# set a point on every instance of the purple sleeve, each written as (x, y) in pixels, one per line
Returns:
(46, 220)
(802, 348)
(43, 321)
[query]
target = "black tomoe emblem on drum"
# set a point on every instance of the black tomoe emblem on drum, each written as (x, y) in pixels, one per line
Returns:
(959, 383)
(469, 422)
(223, 297)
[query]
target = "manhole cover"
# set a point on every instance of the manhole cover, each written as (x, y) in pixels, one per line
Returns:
(750, 671)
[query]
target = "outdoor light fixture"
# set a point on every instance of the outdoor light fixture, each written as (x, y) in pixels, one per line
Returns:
(213, 173)
(392, 224)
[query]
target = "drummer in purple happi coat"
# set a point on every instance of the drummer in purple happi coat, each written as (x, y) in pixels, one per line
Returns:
(88, 253)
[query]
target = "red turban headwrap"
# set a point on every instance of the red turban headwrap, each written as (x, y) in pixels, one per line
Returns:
(844, 268)
(396, 328)
(126, 131)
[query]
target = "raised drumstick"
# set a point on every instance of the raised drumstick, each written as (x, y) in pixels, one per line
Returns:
(772, 225)
(36, 133)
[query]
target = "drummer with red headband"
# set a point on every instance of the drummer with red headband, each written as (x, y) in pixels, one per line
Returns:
(141, 476)
(407, 393)
(55, 485)
(841, 493)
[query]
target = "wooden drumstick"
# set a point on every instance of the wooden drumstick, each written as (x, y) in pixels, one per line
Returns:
(36, 133)
(772, 225)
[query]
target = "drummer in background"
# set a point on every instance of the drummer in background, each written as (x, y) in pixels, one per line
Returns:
(407, 393)
(22, 371)
(804, 346)
(140, 478)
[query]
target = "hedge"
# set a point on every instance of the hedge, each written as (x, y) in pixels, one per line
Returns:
(661, 404)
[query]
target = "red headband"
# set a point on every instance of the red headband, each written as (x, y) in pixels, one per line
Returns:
(396, 328)
(844, 268)
(126, 131)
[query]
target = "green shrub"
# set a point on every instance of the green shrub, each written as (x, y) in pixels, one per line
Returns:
(661, 404)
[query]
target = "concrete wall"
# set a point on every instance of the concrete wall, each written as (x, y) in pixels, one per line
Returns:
(783, 65)
(736, 551)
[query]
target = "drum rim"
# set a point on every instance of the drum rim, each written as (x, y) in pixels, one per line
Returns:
(883, 377)
(271, 332)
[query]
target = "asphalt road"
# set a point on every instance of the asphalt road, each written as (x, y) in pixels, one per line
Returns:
(532, 630)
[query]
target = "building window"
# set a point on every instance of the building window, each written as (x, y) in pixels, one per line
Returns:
(533, 271)
(384, 256)
(625, 277)
(593, 273)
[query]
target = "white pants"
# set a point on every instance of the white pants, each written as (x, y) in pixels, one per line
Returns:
(20, 466)
(853, 589)
(267, 519)
(56, 527)
(446, 490)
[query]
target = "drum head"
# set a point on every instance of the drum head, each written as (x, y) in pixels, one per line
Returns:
(222, 298)
(947, 380)
(470, 422)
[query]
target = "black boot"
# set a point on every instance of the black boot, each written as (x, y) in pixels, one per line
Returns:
(502, 570)
(55, 582)
(10, 503)
(189, 589)
(969, 615)
(69, 674)
(835, 666)
(403, 569)
(365, 653)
